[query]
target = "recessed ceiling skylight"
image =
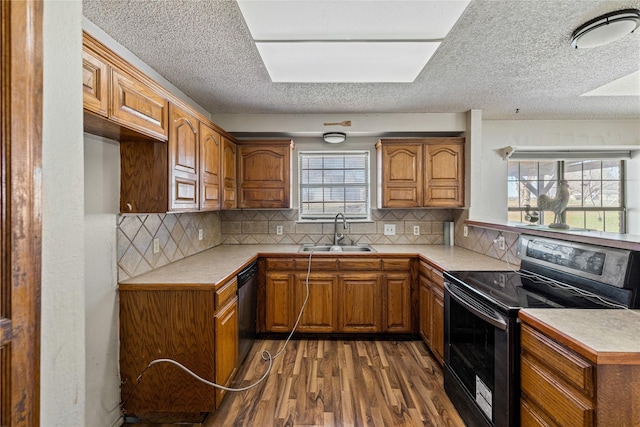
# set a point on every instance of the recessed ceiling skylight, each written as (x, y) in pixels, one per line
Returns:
(628, 85)
(345, 62)
(348, 41)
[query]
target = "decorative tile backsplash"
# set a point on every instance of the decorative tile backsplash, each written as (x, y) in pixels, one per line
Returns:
(481, 240)
(259, 227)
(177, 236)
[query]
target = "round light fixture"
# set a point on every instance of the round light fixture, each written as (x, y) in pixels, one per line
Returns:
(334, 137)
(605, 28)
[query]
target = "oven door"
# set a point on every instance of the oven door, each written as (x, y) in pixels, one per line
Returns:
(481, 375)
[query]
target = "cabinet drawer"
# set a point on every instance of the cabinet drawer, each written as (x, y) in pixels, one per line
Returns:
(425, 269)
(396, 264)
(138, 106)
(576, 371)
(531, 416)
(280, 263)
(226, 293)
(367, 264)
(326, 264)
(561, 404)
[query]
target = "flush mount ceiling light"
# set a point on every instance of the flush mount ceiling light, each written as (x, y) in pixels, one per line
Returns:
(334, 137)
(606, 28)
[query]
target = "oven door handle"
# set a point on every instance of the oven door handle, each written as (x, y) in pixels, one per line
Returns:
(493, 319)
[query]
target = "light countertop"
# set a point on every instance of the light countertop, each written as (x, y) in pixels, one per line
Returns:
(223, 262)
(603, 336)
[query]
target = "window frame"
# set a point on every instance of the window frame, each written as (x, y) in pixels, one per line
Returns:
(327, 217)
(560, 173)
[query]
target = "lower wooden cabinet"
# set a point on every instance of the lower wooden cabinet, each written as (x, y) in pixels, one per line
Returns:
(563, 386)
(226, 344)
(431, 301)
(320, 314)
(360, 304)
(197, 327)
(346, 294)
(279, 313)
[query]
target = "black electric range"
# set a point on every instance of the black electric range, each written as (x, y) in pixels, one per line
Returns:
(482, 344)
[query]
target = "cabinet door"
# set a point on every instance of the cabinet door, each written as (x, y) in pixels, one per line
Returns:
(444, 175)
(264, 176)
(137, 106)
(210, 149)
(319, 314)
(360, 303)
(183, 160)
(228, 174)
(425, 310)
(398, 302)
(401, 176)
(437, 323)
(226, 346)
(95, 83)
(279, 302)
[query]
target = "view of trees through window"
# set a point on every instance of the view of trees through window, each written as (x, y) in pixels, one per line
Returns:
(596, 191)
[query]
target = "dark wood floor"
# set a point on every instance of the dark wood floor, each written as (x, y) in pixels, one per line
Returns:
(340, 383)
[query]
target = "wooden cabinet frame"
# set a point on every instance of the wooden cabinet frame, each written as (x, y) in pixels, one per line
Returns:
(420, 172)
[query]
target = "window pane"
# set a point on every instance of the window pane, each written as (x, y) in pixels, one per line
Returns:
(548, 171)
(611, 193)
(592, 169)
(592, 193)
(575, 193)
(595, 220)
(515, 216)
(573, 170)
(513, 194)
(611, 169)
(613, 222)
(513, 171)
(575, 219)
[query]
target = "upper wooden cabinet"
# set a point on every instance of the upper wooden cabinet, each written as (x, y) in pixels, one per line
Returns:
(229, 149)
(171, 155)
(137, 105)
(264, 174)
(422, 172)
(184, 146)
(95, 83)
(210, 179)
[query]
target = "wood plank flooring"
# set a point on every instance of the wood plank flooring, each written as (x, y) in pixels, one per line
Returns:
(339, 383)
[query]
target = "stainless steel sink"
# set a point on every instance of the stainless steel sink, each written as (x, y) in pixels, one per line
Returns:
(336, 248)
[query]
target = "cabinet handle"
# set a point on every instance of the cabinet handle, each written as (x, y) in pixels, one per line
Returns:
(129, 207)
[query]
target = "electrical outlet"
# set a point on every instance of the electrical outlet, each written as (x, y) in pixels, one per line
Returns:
(500, 242)
(465, 231)
(279, 230)
(200, 234)
(416, 230)
(389, 229)
(156, 246)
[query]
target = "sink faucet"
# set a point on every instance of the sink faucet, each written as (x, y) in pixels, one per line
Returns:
(337, 237)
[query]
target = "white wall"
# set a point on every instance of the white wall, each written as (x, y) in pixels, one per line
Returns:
(489, 182)
(102, 194)
(62, 362)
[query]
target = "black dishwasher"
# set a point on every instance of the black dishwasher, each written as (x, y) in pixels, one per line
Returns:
(247, 306)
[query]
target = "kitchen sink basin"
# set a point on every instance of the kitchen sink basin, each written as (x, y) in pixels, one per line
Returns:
(336, 248)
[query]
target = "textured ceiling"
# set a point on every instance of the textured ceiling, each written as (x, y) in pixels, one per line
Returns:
(501, 55)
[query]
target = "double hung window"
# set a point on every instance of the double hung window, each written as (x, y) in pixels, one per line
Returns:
(333, 182)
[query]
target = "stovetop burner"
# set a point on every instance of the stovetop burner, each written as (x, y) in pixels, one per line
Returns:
(512, 290)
